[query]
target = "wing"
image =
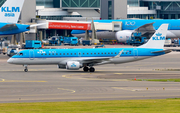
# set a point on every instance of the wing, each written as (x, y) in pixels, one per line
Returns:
(8, 27)
(92, 60)
(146, 29)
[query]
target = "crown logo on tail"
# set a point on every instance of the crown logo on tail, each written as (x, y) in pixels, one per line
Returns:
(158, 34)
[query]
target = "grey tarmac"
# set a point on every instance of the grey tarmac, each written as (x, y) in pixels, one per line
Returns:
(109, 82)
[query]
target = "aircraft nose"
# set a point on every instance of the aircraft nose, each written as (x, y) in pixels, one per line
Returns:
(10, 60)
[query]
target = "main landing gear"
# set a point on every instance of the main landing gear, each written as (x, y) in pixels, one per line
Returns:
(91, 69)
(25, 68)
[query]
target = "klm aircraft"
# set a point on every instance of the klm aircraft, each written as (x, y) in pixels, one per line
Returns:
(74, 59)
(9, 15)
(146, 27)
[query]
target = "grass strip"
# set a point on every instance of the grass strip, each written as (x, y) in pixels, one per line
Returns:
(117, 106)
(160, 80)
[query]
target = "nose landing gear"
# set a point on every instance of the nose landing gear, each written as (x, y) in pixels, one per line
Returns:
(26, 68)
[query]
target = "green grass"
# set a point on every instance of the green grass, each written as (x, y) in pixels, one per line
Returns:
(122, 106)
(160, 80)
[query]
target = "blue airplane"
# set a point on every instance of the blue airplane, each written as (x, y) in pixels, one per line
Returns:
(9, 13)
(74, 59)
(146, 27)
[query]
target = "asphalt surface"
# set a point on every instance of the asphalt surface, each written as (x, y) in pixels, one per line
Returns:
(109, 82)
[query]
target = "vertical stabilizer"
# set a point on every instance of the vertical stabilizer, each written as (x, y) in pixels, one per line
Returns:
(158, 38)
(10, 11)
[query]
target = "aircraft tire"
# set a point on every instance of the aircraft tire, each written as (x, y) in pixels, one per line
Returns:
(92, 69)
(25, 70)
(85, 69)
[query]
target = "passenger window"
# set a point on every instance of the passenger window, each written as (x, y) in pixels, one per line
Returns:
(104, 53)
(108, 53)
(41, 53)
(122, 52)
(98, 53)
(53, 54)
(63, 53)
(91, 53)
(115, 52)
(45, 54)
(71, 53)
(56, 53)
(67, 53)
(59, 53)
(83, 53)
(87, 53)
(94, 53)
(112, 53)
(75, 53)
(49, 54)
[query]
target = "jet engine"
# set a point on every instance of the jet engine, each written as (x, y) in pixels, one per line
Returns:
(73, 65)
(123, 36)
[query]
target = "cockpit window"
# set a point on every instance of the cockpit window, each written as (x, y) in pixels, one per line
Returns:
(20, 54)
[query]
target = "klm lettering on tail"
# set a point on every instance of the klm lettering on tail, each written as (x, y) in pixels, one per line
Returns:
(159, 37)
(10, 12)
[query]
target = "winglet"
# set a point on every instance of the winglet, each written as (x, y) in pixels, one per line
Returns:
(158, 39)
(10, 11)
(117, 56)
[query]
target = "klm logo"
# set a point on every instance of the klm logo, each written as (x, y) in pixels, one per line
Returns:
(10, 12)
(159, 37)
(73, 65)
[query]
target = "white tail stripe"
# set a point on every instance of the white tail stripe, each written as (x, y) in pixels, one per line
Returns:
(10, 11)
(158, 38)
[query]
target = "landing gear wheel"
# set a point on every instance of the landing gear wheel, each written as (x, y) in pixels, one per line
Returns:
(25, 70)
(85, 69)
(92, 69)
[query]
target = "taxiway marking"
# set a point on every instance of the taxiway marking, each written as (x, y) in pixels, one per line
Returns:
(72, 91)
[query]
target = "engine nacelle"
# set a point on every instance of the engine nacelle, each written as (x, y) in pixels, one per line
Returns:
(73, 65)
(61, 66)
(123, 36)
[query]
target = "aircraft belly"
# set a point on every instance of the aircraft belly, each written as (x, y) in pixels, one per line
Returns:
(100, 35)
(127, 59)
(38, 61)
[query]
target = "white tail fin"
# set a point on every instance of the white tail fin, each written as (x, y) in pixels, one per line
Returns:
(158, 38)
(10, 11)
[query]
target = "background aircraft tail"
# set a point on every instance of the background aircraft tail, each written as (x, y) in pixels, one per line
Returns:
(158, 38)
(10, 11)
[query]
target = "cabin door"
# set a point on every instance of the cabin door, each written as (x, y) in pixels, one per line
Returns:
(135, 51)
(31, 55)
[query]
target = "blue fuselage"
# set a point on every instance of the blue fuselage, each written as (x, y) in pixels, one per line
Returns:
(57, 56)
(134, 24)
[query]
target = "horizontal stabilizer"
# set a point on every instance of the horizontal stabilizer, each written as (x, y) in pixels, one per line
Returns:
(166, 51)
